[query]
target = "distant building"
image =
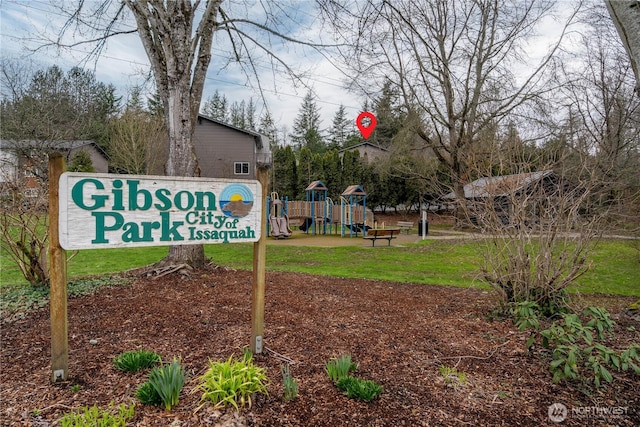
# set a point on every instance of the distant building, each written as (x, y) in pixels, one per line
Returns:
(367, 151)
(27, 160)
(225, 151)
(496, 195)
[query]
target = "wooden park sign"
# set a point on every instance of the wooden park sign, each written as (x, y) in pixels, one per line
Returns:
(103, 210)
(92, 211)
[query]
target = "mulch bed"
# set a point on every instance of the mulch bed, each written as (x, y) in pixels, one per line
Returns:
(399, 334)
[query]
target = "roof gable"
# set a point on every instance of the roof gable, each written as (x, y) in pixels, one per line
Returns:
(259, 138)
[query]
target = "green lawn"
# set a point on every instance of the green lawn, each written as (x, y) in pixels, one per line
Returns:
(616, 264)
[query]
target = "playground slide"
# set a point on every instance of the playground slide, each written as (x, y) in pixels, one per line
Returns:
(280, 226)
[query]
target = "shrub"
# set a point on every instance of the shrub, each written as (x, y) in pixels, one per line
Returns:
(168, 381)
(290, 383)
(357, 388)
(133, 361)
(340, 367)
(233, 382)
(94, 416)
(576, 347)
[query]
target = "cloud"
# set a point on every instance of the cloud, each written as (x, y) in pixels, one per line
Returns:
(124, 63)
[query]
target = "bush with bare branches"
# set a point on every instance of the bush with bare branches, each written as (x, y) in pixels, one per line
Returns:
(540, 232)
(24, 229)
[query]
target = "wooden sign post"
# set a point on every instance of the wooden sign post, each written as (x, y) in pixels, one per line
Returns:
(259, 267)
(57, 278)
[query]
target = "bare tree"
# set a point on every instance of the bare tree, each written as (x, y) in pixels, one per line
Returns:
(462, 65)
(626, 17)
(137, 139)
(604, 116)
(177, 36)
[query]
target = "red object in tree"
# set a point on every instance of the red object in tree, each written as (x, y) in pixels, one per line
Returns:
(366, 131)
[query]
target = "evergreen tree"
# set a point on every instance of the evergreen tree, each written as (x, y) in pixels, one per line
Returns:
(155, 107)
(306, 132)
(309, 169)
(284, 175)
(388, 116)
(216, 107)
(237, 115)
(268, 128)
(134, 102)
(250, 115)
(352, 168)
(332, 168)
(341, 129)
(81, 162)
(56, 106)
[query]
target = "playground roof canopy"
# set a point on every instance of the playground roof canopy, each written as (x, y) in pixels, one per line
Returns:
(316, 185)
(354, 190)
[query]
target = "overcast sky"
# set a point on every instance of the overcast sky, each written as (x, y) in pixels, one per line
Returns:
(123, 63)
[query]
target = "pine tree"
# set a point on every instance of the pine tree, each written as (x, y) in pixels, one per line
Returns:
(237, 115)
(250, 115)
(341, 129)
(306, 132)
(388, 116)
(216, 107)
(268, 128)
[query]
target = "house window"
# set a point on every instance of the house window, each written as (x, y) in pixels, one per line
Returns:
(241, 168)
(31, 192)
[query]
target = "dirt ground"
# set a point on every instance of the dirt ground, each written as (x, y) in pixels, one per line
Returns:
(399, 335)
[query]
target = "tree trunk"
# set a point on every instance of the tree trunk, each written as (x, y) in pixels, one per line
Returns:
(182, 160)
(626, 17)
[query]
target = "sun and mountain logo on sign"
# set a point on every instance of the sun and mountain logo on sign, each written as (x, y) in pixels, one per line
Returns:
(236, 200)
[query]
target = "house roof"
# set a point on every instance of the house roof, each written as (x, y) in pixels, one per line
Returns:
(261, 140)
(10, 144)
(496, 186)
(364, 144)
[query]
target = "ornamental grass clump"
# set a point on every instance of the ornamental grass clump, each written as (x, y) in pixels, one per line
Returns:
(339, 367)
(338, 370)
(133, 361)
(164, 385)
(357, 388)
(233, 382)
(290, 384)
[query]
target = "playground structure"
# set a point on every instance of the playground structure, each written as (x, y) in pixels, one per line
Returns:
(318, 214)
(278, 220)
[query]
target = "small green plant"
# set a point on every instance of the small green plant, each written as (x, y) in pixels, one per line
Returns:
(148, 395)
(452, 377)
(233, 382)
(339, 367)
(75, 388)
(576, 346)
(94, 416)
(168, 381)
(133, 361)
(290, 383)
(357, 388)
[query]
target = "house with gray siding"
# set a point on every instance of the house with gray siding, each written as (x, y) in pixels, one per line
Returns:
(368, 151)
(225, 151)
